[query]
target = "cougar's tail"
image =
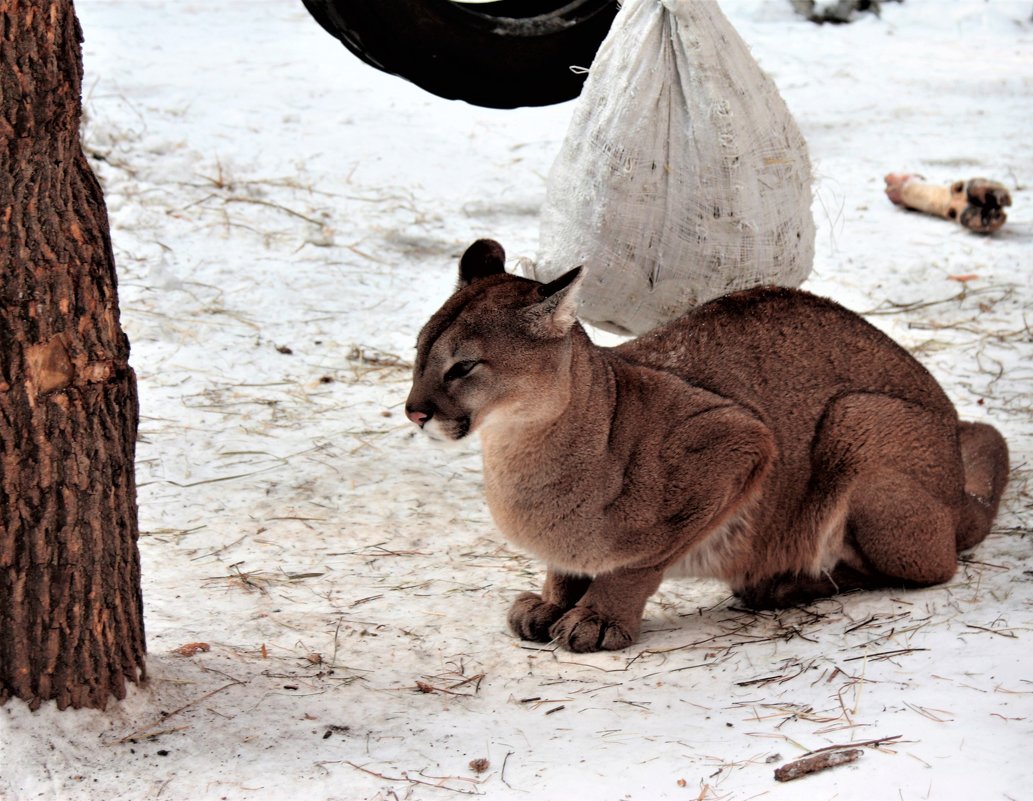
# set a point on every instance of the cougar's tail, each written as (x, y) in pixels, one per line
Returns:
(985, 456)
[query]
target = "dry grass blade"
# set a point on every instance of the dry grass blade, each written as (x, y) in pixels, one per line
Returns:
(148, 731)
(885, 654)
(377, 358)
(439, 784)
(876, 743)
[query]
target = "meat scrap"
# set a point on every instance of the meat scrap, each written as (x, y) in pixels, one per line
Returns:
(978, 203)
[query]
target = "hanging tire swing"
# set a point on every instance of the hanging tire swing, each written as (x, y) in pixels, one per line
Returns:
(496, 54)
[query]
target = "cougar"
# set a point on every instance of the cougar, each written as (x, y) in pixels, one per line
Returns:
(770, 438)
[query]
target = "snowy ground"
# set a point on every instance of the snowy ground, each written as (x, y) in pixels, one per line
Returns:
(285, 219)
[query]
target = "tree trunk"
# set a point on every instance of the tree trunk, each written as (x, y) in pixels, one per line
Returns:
(71, 611)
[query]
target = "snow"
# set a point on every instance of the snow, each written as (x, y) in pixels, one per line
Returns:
(286, 218)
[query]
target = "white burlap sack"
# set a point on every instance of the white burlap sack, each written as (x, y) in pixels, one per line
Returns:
(682, 176)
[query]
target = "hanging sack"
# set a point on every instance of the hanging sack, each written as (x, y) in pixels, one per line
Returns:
(682, 176)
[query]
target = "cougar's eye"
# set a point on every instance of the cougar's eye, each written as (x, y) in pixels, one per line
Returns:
(460, 369)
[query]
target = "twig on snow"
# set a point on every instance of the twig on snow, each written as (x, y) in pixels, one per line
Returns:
(813, 764)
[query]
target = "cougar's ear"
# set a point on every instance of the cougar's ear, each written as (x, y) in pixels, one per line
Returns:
(483, 258)
(557, 312)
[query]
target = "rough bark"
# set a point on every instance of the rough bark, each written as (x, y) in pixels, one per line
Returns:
(71, 622)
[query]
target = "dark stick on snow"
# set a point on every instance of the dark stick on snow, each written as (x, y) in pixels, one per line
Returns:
(813, 764)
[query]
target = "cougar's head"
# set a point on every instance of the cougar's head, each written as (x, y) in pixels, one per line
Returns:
(497, 351)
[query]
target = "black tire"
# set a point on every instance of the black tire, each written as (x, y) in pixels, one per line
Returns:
(497, 54)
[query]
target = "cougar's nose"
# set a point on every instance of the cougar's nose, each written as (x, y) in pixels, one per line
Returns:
(418, 416)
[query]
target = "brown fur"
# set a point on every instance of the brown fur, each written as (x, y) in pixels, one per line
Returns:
(770, 438)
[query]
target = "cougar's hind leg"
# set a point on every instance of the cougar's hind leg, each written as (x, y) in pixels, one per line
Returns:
(897, 465)
(896, 535)
(890, 472)
(532, 615)
(904, 535)
(984, 454)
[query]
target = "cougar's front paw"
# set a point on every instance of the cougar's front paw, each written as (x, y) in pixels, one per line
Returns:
(530, 617)
(582, 629)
